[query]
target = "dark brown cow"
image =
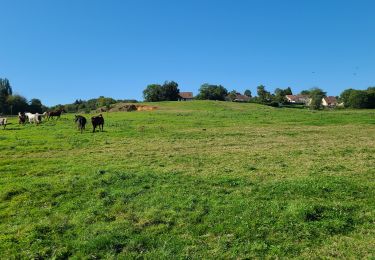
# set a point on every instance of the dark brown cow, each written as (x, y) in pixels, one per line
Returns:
(97, 121)
(81, 122)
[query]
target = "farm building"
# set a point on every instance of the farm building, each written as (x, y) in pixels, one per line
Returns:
(185, 96)
(241, 98)
(329, 101)
(298, 99)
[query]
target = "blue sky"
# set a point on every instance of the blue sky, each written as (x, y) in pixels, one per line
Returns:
(63, 50)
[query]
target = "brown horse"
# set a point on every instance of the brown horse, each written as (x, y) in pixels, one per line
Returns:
(56, 113)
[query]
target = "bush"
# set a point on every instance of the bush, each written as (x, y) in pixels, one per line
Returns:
(358, 98)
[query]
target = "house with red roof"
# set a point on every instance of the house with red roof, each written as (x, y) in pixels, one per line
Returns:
(186, 96)
(330, 101)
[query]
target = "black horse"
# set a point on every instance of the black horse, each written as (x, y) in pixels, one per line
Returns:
(56, 113)
(81, 122)
(97, 121)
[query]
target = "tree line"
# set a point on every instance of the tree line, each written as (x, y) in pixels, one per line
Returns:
(11, 104)
(86, 106)
(350, 98)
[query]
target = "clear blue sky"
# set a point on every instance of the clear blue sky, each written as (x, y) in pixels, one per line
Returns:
(62, 50)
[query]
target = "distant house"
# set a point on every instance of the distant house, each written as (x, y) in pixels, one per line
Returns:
(185, 96)
(241, 98)
(298, 99)
(329, 101)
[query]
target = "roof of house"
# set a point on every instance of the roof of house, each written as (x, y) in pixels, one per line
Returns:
(297, 98)
(330, 100)
(186, 94)
(242, 97)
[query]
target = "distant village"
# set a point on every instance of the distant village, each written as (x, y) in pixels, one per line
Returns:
(328, 101)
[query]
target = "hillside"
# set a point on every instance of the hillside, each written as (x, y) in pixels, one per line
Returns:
(194, 179)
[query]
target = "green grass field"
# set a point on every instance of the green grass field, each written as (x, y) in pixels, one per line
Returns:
(191, 180)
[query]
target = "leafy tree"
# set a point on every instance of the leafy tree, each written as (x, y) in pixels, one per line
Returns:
(344, 96)
(288, 91)
(358, 99)
(371, 97)
(263, 95)
(17, 103)
(280, 95)
(104, 102)
(316, 95)
(152, 93)
(5, 87)
(35, 106)
(305, 92)
(247, 93)
(169, 91)
(232, 95)
(212, 92)
(316, 102)
(5, 92)
(78, 102)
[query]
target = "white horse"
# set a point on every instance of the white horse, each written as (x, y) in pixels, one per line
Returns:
(3, 121)
(34, 118)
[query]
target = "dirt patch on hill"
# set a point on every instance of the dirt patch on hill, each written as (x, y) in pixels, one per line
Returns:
(123, 107)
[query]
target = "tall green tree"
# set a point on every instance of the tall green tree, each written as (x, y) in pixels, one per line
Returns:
(247, 92)
(17, 103)
(288, 91)
(371, 97)
(263, 95)
(212, 92)
(169, 91)
(280, 95)
(358, 99)
(152, 93)
(316, 95)
(305, 92)
(104, 102)
(344, 97)
(35, 106)
(5, 92)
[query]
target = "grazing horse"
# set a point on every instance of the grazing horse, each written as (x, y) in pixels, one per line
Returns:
(81, 122)
(34, 118)
(56, 113)
(97, 121)
(3, 121)
(21, 118)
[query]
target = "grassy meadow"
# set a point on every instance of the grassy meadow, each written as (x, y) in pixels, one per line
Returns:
(191, 180)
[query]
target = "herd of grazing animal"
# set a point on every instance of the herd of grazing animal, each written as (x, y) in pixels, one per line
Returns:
(23, 117)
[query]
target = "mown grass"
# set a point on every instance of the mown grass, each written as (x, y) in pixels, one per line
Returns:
(191, 180)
